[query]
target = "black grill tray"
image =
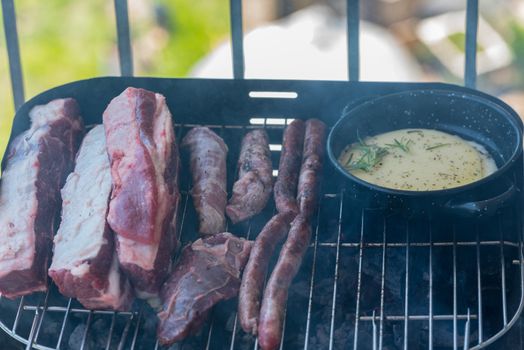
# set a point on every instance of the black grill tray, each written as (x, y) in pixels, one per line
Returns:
(369, 279)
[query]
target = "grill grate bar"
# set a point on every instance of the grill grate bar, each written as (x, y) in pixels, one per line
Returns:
(431, 316)
(44, 309)
(18, 313)
(382, 287)
(479, 289)
(374, 332)
(75, 310)
(335, 278)
(64, 322)
(359, 278)
(455, 343)
(312, 280)
(84, 336)
(123, 339)
(234, 332)
(406, 294)
(418, 317)
(111, 330)
(503, 274)
(210, 332)
(31, 338)
(466, 331)
(283, 331)
(419, 244)
(137, 327)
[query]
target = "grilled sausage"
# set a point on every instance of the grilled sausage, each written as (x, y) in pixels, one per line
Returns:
(255, 272)
(276, 293)
(290, 258)
(208, 154)
(288, 169)
(313, 157)
(255, 179)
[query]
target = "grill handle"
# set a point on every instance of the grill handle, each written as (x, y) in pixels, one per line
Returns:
(483, 207)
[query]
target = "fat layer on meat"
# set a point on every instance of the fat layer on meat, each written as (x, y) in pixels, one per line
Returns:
(118, 295)
(144, 203)
(37, 164)
(84, 262)
(208, 272)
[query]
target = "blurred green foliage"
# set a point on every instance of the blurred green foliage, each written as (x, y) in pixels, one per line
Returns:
(517, 45)
(65, 40)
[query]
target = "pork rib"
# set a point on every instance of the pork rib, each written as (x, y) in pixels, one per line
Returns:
(208, 272)
(256, 268)
(255, 179)
(38, 162)
(289, 167)
(144, 203)
(207, 154)
(84, 263)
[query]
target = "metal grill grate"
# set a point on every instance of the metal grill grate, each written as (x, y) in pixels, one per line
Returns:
(370, 280)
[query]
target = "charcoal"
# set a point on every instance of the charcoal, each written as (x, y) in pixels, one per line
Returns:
(419, 335)
(75, 339)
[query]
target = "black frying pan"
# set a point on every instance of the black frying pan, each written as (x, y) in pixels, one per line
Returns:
(472, 117)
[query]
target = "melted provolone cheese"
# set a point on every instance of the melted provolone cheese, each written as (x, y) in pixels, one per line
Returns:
(417, 160)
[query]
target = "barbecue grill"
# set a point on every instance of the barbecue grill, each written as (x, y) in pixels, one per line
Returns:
(371, 279)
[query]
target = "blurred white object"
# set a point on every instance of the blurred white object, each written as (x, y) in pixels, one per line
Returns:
(436, 32)
(311, 44)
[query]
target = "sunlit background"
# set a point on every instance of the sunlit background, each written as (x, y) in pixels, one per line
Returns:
(404, 40)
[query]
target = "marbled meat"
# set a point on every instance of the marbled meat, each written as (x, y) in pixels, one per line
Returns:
(84, 263)
(144, 202)
(208, 272)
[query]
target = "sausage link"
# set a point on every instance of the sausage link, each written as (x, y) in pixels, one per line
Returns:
(207, 153)
(253, 278)
(253, 188)
(289, 167)
(276, 293)
(310, 172)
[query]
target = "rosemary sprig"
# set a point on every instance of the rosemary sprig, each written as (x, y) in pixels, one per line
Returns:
(371, 156)
(438, 145)
(403, 144)
(348, 162)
